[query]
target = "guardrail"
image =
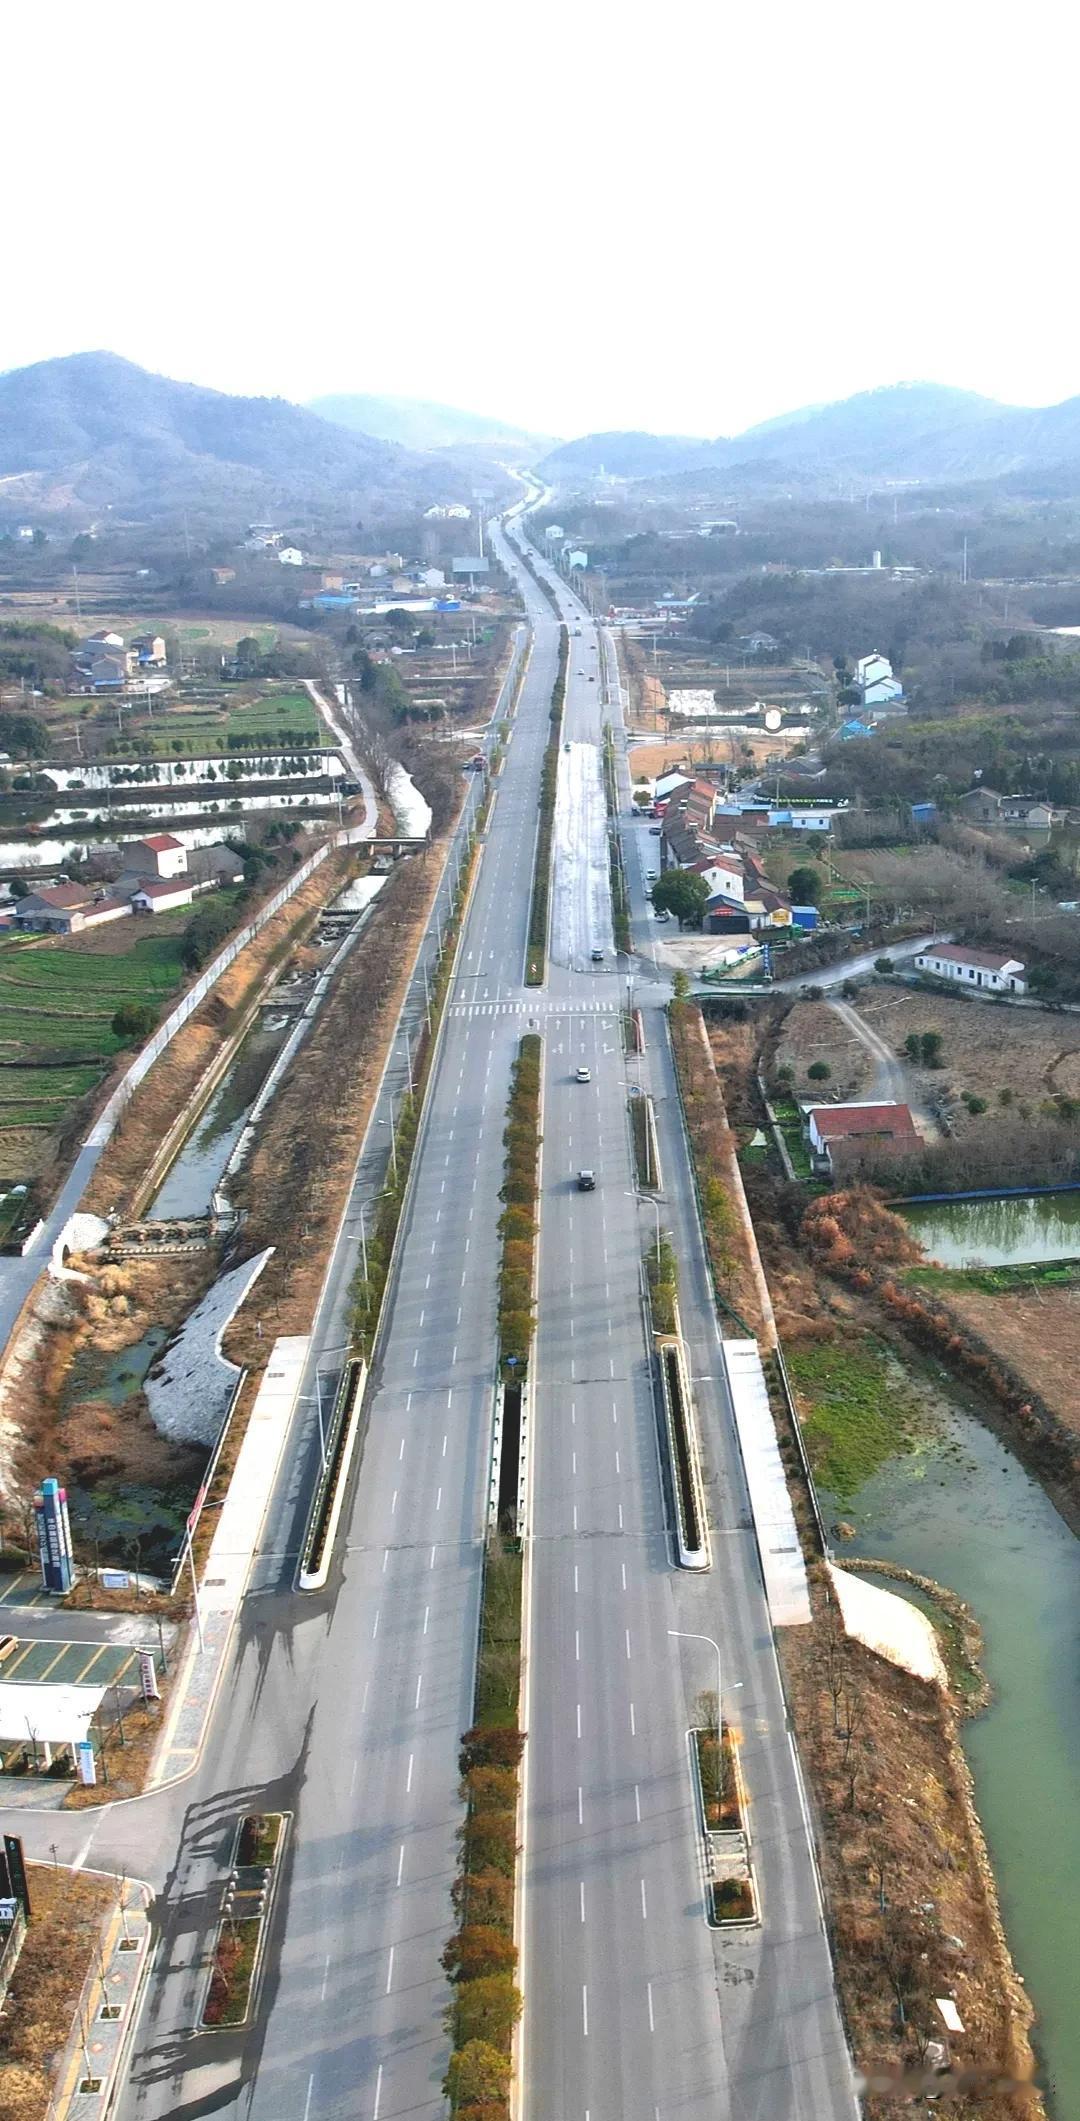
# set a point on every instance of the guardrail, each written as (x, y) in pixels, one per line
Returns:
(340, 1442)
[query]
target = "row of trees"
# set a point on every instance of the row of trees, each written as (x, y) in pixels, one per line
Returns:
(549, 780)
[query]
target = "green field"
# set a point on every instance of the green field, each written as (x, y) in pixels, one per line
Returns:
(57, 1001)
(200, 728)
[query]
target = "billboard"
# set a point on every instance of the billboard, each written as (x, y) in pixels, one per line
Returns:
(54, 1536)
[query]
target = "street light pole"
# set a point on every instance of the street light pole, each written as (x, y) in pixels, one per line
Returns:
(686, 1636)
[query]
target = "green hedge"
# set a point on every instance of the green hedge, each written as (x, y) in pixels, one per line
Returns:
(536, 964)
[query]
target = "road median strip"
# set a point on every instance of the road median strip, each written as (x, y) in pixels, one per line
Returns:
(540, 903)
(238, 1944)
(482, 1955)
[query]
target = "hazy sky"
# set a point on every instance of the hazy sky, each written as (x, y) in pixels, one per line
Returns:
(575, 216)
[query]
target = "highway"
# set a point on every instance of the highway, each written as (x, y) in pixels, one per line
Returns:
(345, 1709)
(634, 2007)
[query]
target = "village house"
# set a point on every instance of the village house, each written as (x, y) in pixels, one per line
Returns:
(876, 684)
(160, 854)
(66, 909)
(840, 1136)
(991, 970)
(161, 895)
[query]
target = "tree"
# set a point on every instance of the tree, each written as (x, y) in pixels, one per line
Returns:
(477, 1950)
(930, 1045)
(804, 887)
(133, 1022)
(19, 889)
(682, 892)
(818, 1072)
(486, 2009)
(475, 2073)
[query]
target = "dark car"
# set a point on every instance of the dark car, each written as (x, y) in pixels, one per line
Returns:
(586, 1181)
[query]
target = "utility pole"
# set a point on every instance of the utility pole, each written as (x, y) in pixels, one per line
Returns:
(78, 606)
(964, 575)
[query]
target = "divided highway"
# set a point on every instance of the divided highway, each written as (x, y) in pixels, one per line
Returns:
(345, 1709)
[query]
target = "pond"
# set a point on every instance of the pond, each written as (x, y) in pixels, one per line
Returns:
(961, 1509)
(1003, 1232)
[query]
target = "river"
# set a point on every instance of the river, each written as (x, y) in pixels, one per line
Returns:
(962, 1510)
(191, 1182)
(1003, 1232)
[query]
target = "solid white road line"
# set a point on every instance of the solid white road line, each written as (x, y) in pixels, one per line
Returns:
(408, 1778)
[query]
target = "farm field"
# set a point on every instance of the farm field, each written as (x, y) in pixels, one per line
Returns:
(58, 997)
(225, 721)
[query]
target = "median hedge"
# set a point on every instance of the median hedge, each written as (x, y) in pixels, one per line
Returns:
(517, 1224)
(481, 1956)
(536, 962)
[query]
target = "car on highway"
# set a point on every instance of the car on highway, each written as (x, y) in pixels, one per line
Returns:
(597, 957)
(583, 1075)
(653, 875)
(655, 831)
(586, 1181)
(661, 913)
(566, 746)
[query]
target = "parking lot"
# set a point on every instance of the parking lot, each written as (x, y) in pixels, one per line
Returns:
(70, 1664)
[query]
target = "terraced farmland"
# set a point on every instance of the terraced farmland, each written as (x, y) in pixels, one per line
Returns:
(58, 996)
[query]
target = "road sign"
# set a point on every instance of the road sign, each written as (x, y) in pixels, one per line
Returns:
(87, 1764)
(148, 1676)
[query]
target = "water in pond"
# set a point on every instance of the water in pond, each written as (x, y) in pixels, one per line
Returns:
(191, 1182)
(998, 1233)
(963, 1511)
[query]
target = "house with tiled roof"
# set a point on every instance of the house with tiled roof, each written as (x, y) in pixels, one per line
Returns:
(989, 971)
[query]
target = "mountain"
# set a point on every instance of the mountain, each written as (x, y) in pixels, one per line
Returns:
(631, 455)
(910, 431)
(92, 430)
(415, 423)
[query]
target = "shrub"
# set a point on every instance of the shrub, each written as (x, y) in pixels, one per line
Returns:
(485, 1898)
(491, 1789)
(498, 1747)
(476, 2073)
(883, 964)
(818, 1072)
(133, 1022)
(489, 1842)
(486, 2009)
(477, 1950)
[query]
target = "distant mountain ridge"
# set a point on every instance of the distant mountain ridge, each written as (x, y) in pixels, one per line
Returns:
(94, 430)
(417, 423)
(908, 431)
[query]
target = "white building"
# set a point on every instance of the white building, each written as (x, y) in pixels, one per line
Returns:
(990, 970)
(875, 680)
(160, 895)
(159, 855)
(290, 556)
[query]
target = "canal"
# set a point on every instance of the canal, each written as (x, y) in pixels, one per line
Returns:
(962, 1510)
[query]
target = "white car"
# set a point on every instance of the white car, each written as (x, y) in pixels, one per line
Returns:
(584, 1075)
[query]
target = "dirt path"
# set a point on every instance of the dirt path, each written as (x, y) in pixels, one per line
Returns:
(893, 1082)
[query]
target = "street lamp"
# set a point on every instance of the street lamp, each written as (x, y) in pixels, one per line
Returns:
(685, 1636)
(650, 1200)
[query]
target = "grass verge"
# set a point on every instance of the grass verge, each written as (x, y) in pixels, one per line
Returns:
(368, 1288)
(229, 1995)
(539, 905)
(620, 896)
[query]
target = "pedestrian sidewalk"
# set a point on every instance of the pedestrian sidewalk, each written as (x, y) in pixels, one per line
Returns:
(228, 1563)
(98, 2042)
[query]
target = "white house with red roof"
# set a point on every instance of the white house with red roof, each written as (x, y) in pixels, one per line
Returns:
(159, 855)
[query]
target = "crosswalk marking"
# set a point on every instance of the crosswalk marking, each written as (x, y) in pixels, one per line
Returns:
(552, 1009)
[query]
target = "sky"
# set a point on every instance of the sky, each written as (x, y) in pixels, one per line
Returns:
(573, 217)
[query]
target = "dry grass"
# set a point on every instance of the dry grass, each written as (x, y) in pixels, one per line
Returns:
(892, 1795)
(69, 1908)
(813, 1032)
(1036, 1331)
(1035, 1054)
